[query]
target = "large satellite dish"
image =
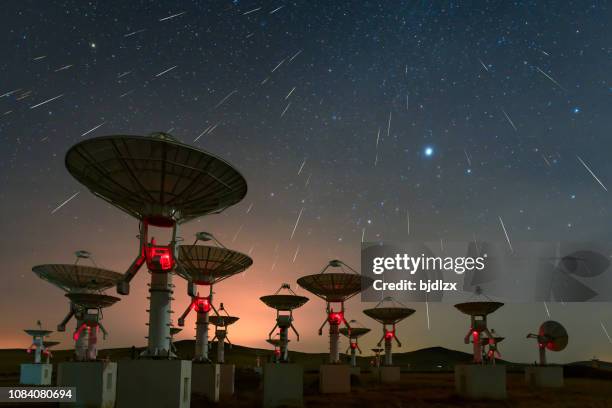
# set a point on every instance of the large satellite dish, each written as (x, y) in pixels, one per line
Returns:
(478, 308)
(155, 177)
(73, 277)
(389, 315)
(223, 321)
(92, 300)
(335, 286)
(207, 265)
(285, 301)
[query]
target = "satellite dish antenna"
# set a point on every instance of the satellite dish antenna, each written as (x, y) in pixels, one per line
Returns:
(222, 322)
(389, 312)
(161, 182)
(84, 286)
(284, 300)
(38, 343)
(478, 312)
(89, 311)
(356, 331)
(205, 265)
(335, 287)
(377, 351)
(551, 336)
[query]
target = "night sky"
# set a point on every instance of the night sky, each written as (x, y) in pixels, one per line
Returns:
(352, 118)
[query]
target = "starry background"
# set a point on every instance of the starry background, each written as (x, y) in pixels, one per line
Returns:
(355, 117)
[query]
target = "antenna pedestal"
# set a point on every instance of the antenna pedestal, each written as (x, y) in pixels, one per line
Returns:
(35, 374)
(544, 376)
(154, 383)
(353, 356)
(95, 382)
(81, 340)
(201, 351)
(480, 381)
(388, 351)
(206, 380)
(161, 289)
(283, 385)
(220, 346)
(334, 339)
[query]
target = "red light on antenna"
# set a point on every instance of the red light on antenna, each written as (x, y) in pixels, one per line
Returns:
(353, 346)
(159, 257)
(77, 333)
(389, 334)
(201, 305)
(475, 336)
(335, 318)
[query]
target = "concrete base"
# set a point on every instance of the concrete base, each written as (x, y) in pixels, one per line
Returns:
(387, 375)
(226, 385)
(95, 381)
(35, 374)
(283, 385)
(334, 379)
(154, 384)
(480, 381)
(544, 376)
(205, 380)
(355, 371)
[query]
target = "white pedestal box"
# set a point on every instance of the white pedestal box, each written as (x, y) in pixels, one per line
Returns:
(283, 385)
(390, 374)
(95, 383)
(35, 374)
(480, 381)
(334, 379)
(206, 380)
(154, 384)
(355, 371)
(544, 376)
(226, 385)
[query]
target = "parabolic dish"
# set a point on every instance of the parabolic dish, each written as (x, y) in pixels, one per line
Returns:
(206, 265)
(92, 300)
(389, 315)
(334, 287)
(155, 177)
(284, 302)
(555, 335)
(38, 332)
(222, 321)
(275, 342)
(356, 332)
(485, 340)
(71, 277)
(49, 344)
(478, 308)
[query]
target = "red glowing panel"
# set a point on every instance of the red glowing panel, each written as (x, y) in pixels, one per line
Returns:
(201, 305)
(77, 333)
(335, 318)
(389, 334)
(159, 257)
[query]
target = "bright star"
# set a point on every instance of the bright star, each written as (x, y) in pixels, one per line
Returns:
(429, 151)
